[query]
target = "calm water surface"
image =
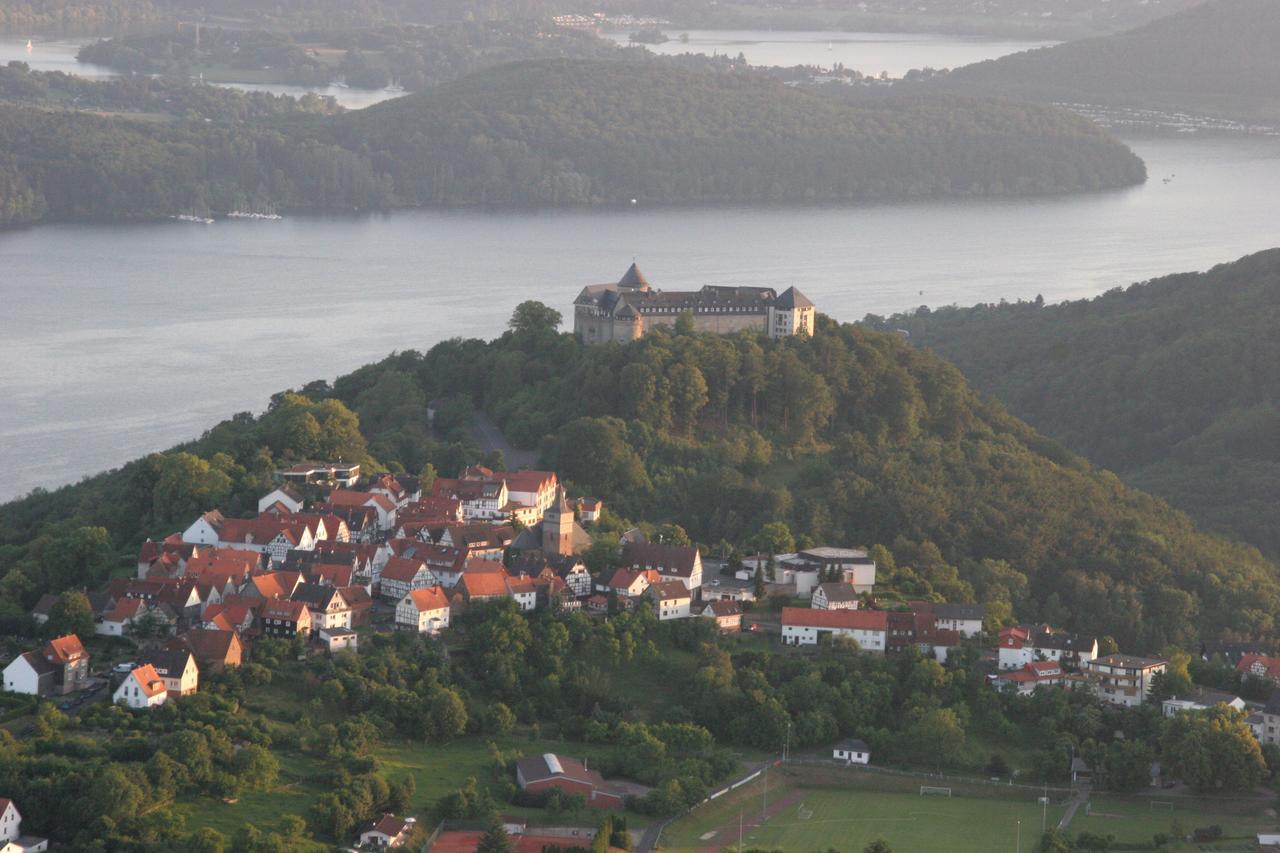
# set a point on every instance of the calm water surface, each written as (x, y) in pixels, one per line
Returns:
(870, 53)
(60, 55)
(122, 340)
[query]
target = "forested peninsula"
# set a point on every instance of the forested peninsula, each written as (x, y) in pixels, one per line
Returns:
(1173, 383)
(555, 132)
(1218, 58)
(851, 437)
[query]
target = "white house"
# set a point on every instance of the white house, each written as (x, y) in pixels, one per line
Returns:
(31, 674)
(804, 626)
(142, 689)
(852, 751)
(1200, 699)
(176, 668)
(836, 595)
(1124, 679)
(964, 618)
(386, 831)
(852, 564)
(423, 610)
(285, 496)
(11, 838)
(671, 600)
(671, 562)
(339, 639)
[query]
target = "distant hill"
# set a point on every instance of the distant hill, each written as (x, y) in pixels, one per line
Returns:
(544, 133)
(1218, 57)
(1174, 384)
(586, 132)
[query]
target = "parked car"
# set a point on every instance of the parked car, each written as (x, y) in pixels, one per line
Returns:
(124, 668)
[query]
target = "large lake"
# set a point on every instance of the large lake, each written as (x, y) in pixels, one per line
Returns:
(60, 55)
(870, 53)
(121, 340)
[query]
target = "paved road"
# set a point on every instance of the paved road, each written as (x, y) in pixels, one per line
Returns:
(1080, 798)
(490, 438)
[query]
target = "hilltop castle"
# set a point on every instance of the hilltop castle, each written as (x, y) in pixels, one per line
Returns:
(627, 310)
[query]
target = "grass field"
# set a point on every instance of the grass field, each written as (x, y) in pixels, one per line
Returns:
(851, 818)
(1134, 819)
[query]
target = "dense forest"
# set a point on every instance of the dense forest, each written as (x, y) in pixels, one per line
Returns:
(581, 132)
(414, 57)
(1217, 57)
(550, 133)
(851, 438)
(1174, 384)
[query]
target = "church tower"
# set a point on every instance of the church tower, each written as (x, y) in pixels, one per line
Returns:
(557, 527)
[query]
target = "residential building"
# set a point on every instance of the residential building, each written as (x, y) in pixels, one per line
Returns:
(964, 618)
(177, 668)
(402, 574)
(1200, 699)
(728, 615)
(1269, 730)
(671, 562)
(1019, 645)
(142, 689)
(671, 600)
(384, 506)
(386, 832)
(329, 608)
(11, 838)
(344, 475)
(589, 510)
(806, 626)
(632, 582)
(423, 610)
(282, 499)
(214, 650)
(534, 489)
(283, 618)
(1031, 676)
(1124, 679)
(61, 666)
(549, 771)
(834, 596)
(1261, 667)
(852, 751)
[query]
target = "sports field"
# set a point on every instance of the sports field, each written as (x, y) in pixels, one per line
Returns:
(1137, 819)
(806, 819)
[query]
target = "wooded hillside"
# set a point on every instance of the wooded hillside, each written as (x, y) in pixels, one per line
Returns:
(851, 438)
(1173, 383)
(579, 132)
(1217, 57)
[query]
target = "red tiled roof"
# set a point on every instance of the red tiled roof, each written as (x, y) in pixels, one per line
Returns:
(429, 598)
(402, 569)
(484, 584)
(66, 649)
(1268, 665)
(865, 620)
(149, 680)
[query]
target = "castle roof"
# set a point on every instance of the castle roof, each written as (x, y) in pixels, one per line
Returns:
(792, 298)
(634, 278)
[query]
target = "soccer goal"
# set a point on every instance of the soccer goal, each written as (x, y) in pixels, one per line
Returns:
(934, 791)
(1161, 805)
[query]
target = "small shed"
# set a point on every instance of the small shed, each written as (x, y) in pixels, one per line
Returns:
(338, 639)
(852, 751)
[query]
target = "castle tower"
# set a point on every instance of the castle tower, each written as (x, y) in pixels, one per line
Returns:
(557, 527)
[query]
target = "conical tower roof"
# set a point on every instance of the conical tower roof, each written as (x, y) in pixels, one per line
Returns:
(634, 278)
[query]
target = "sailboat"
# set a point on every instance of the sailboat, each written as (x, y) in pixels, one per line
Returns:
(28, 45)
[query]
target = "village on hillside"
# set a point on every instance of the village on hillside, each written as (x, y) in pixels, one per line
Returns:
(332, 556)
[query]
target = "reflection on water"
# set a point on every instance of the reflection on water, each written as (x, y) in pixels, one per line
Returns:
(60, 55)
(119, 340)
(870, 53)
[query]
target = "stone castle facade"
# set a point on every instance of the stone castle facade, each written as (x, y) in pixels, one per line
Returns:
(627, 310)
